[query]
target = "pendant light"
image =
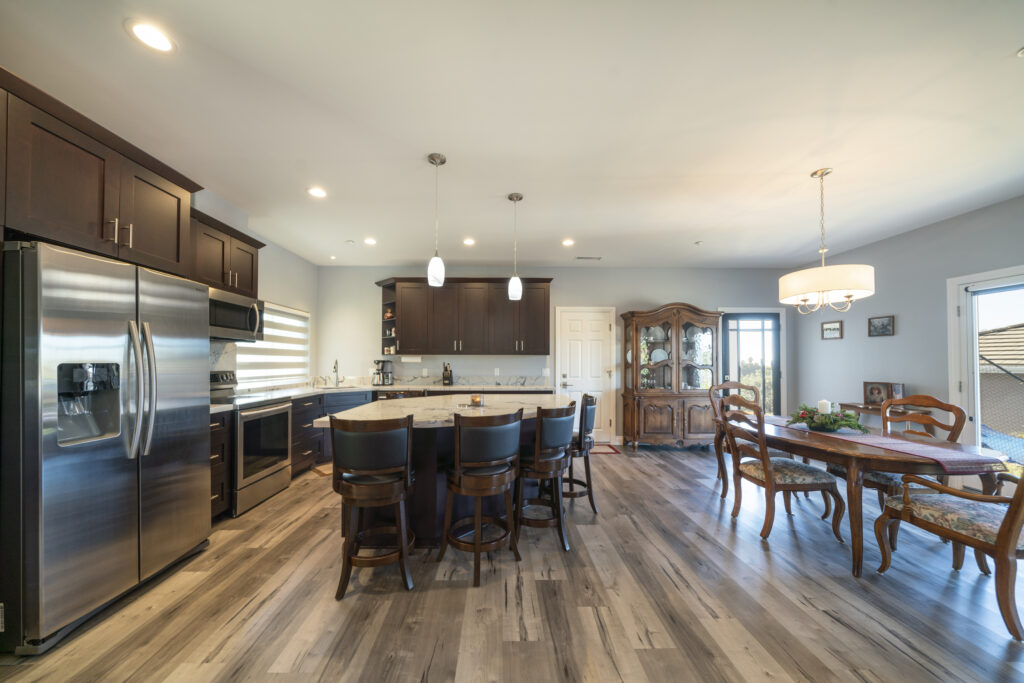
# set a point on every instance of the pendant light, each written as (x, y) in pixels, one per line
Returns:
(435, 269)
(836, 287)
(515, 285)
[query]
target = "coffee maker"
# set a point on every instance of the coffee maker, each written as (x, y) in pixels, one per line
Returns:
(384, 376)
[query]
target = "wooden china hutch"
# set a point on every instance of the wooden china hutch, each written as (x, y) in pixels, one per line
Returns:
(669, 363)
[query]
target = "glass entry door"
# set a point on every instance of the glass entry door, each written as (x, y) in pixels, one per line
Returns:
(750, 354)
(999, 369)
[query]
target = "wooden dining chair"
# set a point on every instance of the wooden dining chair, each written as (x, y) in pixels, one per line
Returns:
(891, 484)
(989, 524)
(716, 393)
(744, 430)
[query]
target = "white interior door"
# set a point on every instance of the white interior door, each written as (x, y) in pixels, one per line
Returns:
(584, 365)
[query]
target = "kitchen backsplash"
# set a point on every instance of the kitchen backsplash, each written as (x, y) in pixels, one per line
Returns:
(223, 355)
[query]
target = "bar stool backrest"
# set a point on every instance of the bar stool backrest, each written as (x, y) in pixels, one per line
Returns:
(371, 447)
(554, 429)
(486, 441)
(588, 413)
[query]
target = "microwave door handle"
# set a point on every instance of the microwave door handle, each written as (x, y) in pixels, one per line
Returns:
(133, 332)
(255, 310)
(147, 333)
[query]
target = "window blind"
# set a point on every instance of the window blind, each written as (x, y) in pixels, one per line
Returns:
(281, 360)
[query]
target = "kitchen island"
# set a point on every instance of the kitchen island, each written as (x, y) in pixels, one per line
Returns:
(433, 449)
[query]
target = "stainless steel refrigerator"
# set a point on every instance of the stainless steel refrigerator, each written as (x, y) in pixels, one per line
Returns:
(105, 475)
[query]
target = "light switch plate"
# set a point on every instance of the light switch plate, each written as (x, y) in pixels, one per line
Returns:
(497, 372)
(426, 372)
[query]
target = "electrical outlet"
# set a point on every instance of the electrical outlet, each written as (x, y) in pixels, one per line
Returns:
(497, 372)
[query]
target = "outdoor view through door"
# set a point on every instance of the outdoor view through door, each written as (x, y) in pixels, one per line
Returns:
(750, 355)
(1000, 369)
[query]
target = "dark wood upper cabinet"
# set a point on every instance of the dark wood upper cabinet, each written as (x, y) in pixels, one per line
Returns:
(224, 257)
(534, 329)
(61, 184)
(413, 314)
(154, 221)
(444, 320)
(501, 322)
(473, 317)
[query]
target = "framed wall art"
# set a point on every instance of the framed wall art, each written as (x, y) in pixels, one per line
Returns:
(876, 393)
(832, 330)
(882, 326)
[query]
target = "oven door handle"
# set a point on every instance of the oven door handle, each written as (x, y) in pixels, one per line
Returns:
(261, 412)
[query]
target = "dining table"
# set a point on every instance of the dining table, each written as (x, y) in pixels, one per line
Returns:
(879, 454)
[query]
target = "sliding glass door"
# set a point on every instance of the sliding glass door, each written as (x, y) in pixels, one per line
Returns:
(998, 368)
(750, 355)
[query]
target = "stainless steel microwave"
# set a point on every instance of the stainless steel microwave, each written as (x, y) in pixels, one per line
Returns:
(235, 317)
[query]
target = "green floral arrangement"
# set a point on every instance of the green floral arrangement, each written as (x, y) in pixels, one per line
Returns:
(825, 422)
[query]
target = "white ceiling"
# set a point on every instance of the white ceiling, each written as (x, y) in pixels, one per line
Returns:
(635, 128)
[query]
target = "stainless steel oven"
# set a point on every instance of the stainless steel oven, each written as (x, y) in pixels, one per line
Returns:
(235, 317)
(263, 454)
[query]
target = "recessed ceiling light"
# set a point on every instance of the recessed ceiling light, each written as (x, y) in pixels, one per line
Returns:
(1020, 52)
(698, 243)
(567, 242)
(333, 257)
(469, 241)
(370, 241)
(317, 191)
(150, 35)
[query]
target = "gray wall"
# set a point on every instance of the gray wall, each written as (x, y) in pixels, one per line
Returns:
(910, 281)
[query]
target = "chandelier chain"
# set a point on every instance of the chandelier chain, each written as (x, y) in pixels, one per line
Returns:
(821, 197)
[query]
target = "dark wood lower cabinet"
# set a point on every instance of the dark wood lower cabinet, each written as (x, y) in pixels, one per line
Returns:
(221, 441)
(307, 442)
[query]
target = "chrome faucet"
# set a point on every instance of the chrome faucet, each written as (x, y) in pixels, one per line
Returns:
(336, 382)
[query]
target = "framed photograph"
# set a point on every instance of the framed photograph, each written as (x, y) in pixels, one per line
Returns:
(876, 393)
(882, 326)
(832, 330)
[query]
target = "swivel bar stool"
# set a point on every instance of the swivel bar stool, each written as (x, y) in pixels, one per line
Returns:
(372, 468)
(581, 445)
(486, 464)
(546, 460)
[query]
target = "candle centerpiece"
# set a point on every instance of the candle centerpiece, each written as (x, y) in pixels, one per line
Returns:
(826, 420)
(476, 399)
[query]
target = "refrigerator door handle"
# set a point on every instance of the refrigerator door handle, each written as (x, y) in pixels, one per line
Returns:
(133, 331)
(147, 334)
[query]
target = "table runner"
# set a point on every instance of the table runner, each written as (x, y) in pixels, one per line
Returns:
(951, 461)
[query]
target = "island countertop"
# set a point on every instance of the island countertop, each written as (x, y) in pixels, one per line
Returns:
(432, 412)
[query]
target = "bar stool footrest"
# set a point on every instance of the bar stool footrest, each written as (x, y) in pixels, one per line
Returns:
(384, 558)
(485, 546)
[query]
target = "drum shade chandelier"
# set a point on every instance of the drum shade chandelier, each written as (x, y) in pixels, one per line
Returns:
(435, 268)
(835, 287)
(515, 285)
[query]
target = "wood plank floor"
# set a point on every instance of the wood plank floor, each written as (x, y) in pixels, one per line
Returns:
(663, 586)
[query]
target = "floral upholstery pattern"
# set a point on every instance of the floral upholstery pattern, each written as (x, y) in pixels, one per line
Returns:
(969, 517)
(788, 471)
(881, 480)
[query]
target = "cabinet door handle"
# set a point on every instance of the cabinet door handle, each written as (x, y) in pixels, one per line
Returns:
(236, 279)
(460, 345)
(131, 236)
(114, 235)
(230, 276)
(398, 345)
(214, 456)
(453, 344)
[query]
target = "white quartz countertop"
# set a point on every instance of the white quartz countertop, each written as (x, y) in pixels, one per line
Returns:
(439, 411)
(302, 392)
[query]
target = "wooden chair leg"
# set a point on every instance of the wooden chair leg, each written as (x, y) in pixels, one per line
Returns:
(477, 533)
(827, 499)
(1006, 577)
(806, 461)
(510, 516)
(837, 518)
(894, 532)
(769, 514)
(720, 457)
(982, 561)
(958, 556)
(882, 536)
(346, 553)
(447, 524)
(786, 496)
(590, 482)
(881, 499)
(403, 545)
(560, 512)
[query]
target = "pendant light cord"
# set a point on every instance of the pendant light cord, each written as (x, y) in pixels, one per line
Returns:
(436, 210)
(515, 239)
(821, 186)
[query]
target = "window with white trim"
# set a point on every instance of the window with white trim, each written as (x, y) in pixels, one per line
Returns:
(281, 360)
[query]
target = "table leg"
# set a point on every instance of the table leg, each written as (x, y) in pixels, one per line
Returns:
(854, 489)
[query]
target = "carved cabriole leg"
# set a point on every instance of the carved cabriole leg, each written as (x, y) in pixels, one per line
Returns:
(590, 483)
(447, 524)
(769, 513)
(894, 532)
(786, 496)
(403, 545)
(982, 561)
(837, 518)
(1006, 577)
(510, 516)
(827, 499)
(881, 499)
(958, 556)
(854, 489)
(720, 454)
(881, 535)
(737, 493)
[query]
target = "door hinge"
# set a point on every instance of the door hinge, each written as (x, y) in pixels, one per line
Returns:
(958, 311)
(609, 327)
(960, 386)
(609, 422)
